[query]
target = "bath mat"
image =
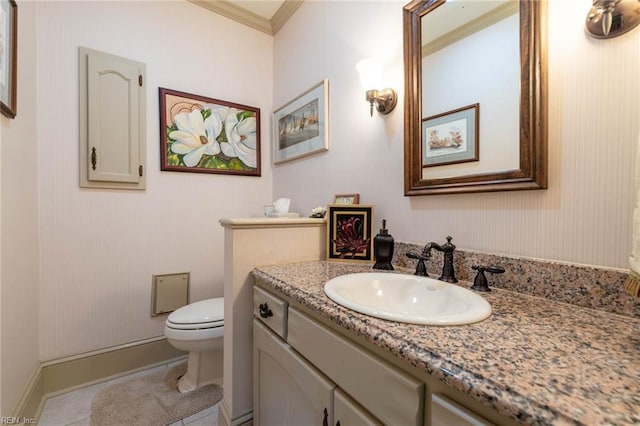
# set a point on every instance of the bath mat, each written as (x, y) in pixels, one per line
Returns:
(151, 400)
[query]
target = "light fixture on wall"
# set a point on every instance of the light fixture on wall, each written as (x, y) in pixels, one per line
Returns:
(611, 18)
(370, 71)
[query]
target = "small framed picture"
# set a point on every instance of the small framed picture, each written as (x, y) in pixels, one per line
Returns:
(301, 127)
(346, 199)
(349, 232)
(205, 135)
(8, 57)
(451, 137)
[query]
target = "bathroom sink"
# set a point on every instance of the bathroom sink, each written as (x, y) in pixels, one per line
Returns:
(407, 298)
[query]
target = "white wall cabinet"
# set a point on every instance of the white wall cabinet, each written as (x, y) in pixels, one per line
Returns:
(112, 121)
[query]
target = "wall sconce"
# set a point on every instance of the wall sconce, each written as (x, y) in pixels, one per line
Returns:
(611, 18)
(370, 71)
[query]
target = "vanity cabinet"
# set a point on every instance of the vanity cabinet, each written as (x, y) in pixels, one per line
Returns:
(391, 395)
(288, 390)
(291, 391)
(305, 373)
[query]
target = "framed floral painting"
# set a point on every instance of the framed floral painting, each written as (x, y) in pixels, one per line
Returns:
(205, 135)
(349, 232)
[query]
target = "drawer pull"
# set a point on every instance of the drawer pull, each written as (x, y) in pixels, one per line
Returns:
(265, 311)
(325, 419)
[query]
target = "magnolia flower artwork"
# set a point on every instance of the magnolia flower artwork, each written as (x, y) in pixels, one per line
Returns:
(349, 232)
(206, 135)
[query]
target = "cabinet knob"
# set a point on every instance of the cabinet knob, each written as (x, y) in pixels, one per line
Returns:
(325, 419)
(265, 311)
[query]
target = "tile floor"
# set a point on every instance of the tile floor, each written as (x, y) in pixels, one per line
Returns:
(74, 408)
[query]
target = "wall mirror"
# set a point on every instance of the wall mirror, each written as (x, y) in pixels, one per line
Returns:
(475, 96)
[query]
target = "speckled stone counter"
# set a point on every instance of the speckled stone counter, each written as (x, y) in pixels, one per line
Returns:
(535, 360)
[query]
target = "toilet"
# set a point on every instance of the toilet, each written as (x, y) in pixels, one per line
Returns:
(198, 328)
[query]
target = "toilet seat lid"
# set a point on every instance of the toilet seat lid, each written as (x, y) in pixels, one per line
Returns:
(209, 311)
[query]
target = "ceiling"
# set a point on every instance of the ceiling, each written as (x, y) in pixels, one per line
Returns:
(267, 16)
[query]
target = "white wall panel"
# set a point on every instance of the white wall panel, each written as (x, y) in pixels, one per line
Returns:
(19, 226)
(584, 216)
(100, 248)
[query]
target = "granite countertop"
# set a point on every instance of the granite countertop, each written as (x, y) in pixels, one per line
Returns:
(534, 360)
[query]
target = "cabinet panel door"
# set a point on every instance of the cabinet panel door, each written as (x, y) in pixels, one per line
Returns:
(347, 412)
(113, 119)
(388, 393)
(286, 389)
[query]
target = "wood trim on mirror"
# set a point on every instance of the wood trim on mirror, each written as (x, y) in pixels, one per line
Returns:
(532, 172)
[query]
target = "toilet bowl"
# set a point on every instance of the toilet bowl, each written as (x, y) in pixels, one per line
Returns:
(198, 328)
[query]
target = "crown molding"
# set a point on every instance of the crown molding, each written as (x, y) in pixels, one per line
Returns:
(283, 14)
(250, 19)
(478, 24)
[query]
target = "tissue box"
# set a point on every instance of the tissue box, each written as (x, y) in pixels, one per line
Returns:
(286, 214)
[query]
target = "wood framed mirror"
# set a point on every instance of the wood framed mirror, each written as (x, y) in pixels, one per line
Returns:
(475, 96)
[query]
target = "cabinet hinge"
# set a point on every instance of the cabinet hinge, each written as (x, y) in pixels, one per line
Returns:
(140, 80)
(140, 170)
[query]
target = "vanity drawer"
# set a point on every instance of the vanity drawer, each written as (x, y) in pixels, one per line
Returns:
(388, 393)
(271, 310)
(348, 412)
(445, 412)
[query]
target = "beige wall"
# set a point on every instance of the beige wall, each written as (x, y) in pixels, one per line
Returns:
(19, 226)
(100, 248)
(584, 216)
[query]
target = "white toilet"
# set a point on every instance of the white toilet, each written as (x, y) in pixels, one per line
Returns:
(198, 328)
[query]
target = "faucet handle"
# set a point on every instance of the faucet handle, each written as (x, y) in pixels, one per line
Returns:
(448, 246)
(480, 282)
(421, 269)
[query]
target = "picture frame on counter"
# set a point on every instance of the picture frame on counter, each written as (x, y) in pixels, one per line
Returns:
(346, 199)
(350, 232)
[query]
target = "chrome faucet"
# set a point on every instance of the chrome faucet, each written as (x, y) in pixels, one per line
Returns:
(448, 273)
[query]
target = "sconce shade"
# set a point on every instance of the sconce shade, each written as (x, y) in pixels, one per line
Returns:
(611, 18)
(370, 71)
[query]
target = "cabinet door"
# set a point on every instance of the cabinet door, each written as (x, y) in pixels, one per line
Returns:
(286, 389)
(112, 121)
(388, 393)
(347, 412)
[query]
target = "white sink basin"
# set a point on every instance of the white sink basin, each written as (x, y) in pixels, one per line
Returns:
(407, 298)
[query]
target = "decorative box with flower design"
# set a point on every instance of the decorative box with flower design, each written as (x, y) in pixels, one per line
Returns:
(349, 232)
